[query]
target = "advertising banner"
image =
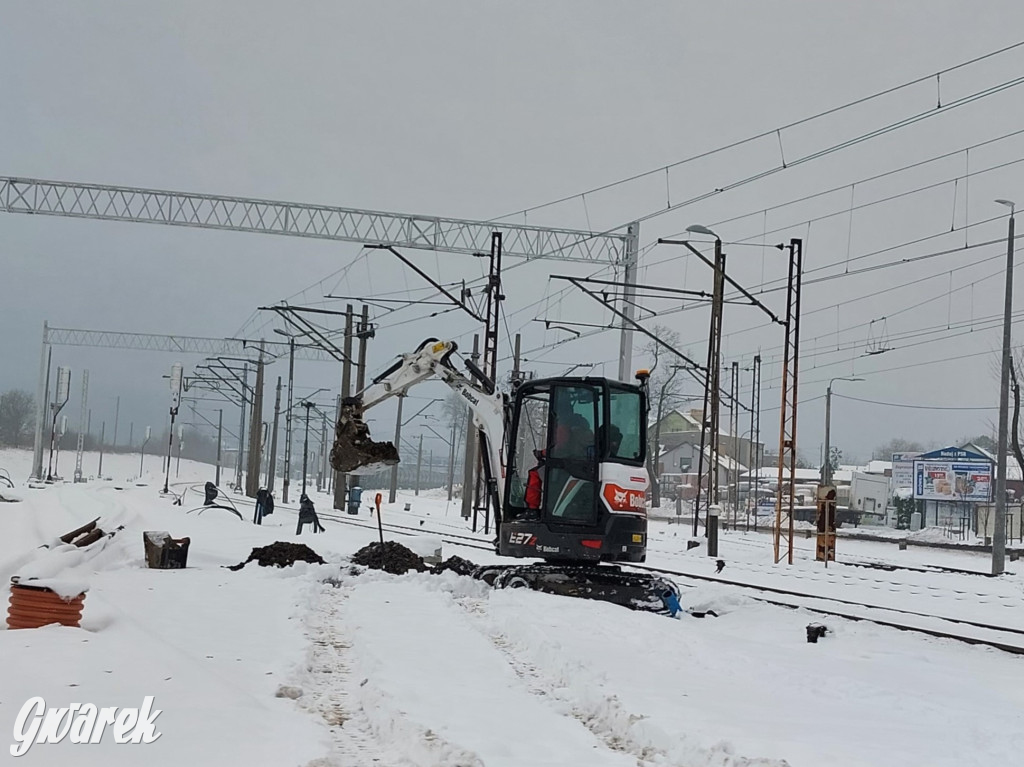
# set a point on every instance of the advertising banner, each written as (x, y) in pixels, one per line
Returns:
(903, 470)
(938, 480)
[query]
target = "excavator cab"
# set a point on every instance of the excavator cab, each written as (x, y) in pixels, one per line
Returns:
(575, 480)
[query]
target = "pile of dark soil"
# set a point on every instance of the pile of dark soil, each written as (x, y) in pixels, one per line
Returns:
(457, 565)
(392, 558)
(353, 447)
(281, 554)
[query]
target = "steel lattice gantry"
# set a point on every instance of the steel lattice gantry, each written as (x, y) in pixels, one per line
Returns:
(367, 227)
(153, 342)
(244, 214)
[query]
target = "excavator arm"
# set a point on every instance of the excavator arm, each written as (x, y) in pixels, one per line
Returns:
(353, 448)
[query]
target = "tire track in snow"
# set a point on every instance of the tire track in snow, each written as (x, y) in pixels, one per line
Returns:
(326, 684)
(367, 727)
(574, 690)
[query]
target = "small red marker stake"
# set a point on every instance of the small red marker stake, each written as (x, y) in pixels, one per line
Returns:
(376, 500)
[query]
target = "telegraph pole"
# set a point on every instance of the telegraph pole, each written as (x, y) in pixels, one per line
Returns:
(272, 464)
(288, 422)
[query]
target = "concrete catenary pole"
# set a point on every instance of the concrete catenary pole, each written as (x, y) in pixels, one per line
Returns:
(272, 463)
(469, 456)
(340, 483)
(41, 397)
(252, 477)
(999, 524)
(393, 491)
(628, 292)
(288, 422)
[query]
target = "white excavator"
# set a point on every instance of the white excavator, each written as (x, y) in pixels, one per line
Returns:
(564, 472)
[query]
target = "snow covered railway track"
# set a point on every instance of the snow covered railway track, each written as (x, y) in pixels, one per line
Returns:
(1006, 638)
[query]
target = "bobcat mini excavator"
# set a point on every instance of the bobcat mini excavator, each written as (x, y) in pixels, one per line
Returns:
(564, 466)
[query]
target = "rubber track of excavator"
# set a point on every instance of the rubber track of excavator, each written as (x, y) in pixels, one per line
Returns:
(637, 591)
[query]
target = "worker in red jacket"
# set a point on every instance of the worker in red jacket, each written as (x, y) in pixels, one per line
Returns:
(535, 481)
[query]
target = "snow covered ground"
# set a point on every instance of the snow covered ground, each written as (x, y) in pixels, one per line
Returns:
(440, 670)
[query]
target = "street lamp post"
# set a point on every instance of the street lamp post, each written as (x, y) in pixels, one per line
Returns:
(826, 467)
(999, 524)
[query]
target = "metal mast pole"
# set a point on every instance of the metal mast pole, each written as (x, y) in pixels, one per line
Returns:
(419, 465)
(753, 459)
(241, 431)
(712, 393)
(783, 532)
(288, 422)
(734, 428)
(82, 428)
(42, 394)
(220, 429)
(103, 434)
(999, 530)
(117, 414)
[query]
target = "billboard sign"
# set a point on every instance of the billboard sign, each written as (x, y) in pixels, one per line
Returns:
(903, 470)
(944, 480)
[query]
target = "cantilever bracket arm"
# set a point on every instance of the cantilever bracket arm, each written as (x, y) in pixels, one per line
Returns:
(635, 325)
(727, 278)
(458, 302)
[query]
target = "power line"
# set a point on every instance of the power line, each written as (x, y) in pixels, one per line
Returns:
(913, 407)
(768, 133)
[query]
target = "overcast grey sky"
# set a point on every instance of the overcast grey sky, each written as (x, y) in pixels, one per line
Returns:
(479, 109)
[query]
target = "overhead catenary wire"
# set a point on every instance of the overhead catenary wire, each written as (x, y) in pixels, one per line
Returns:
(770, 132)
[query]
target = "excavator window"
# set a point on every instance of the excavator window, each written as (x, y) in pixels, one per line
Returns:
(625, 425)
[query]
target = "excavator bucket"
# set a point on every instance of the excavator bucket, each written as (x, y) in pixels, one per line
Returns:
(353, 450)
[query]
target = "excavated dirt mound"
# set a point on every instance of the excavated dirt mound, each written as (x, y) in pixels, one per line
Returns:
(457, 565)
(281, 554)
(392, 558)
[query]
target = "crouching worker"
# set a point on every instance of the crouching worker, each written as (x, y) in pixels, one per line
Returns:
(307, 516)
(264, 505)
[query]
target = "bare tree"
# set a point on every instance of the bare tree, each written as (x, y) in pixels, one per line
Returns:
(897, 445)
(666, 386)
(17, 411)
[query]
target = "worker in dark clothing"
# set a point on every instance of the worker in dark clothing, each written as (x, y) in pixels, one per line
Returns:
(307, 516)
(264, 505)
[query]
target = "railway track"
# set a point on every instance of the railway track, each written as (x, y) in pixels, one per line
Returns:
(1009, 639)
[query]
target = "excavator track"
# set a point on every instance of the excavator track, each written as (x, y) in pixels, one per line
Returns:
(607, 583)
